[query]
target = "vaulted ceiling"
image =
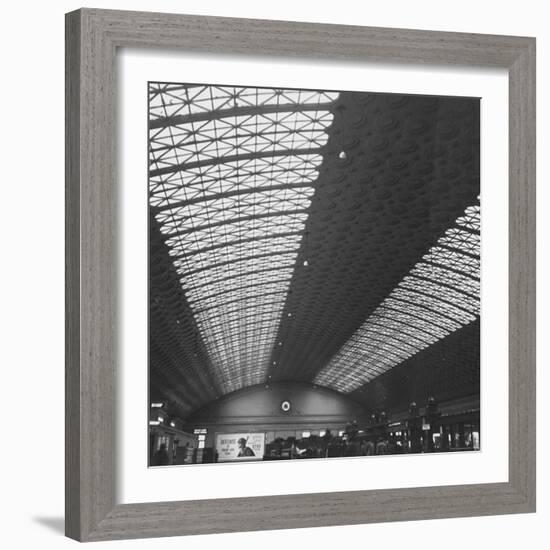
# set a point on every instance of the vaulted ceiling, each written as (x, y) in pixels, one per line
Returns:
(323, 237)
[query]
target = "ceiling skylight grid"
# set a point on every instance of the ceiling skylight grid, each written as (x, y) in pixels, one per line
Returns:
(438, 296)
(232, 174)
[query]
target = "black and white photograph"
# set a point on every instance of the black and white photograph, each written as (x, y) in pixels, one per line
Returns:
(276, 283)
(314, 274)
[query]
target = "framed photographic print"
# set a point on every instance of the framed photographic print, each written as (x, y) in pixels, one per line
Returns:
(300, 275)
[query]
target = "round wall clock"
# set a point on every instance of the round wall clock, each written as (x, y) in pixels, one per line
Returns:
(285, 406)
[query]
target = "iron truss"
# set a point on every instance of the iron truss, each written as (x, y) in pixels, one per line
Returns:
(232, 173)
(438, 296)
(283, 220)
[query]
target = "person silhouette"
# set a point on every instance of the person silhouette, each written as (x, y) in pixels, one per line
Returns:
(160, 458)
(243, 449)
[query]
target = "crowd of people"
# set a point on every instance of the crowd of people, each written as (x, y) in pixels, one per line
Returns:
(352, 442)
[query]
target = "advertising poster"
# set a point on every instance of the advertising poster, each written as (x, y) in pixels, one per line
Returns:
(240, 446)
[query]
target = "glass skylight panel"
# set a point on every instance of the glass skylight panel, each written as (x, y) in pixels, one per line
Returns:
(455, 280)
(421, 317)
(239, 135)
(169, 100)
(234, 253)
(466, 241)
(234, 249)
(456, 260)
(274, 282)
(444, 307)
(249, 174)
(252, 228)
(218, 286)
(235, 265)
(471, 219)
(390, 325)
(438, 296)
(242, 268)
(232, 174)
(233, 296)
(377, 336)
(446, 294)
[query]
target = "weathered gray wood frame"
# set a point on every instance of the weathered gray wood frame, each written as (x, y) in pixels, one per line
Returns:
(92, 38)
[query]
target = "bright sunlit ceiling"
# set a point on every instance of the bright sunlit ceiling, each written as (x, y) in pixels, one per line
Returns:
(313, 237)
(232, 174)
(438, 296)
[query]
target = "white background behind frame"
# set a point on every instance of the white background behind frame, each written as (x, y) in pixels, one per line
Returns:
(136, 482)
(32, 486)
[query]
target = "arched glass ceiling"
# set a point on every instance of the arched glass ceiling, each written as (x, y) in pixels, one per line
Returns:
(232, 173)
(438, 296)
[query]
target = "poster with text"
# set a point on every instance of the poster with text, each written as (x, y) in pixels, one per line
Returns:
(240, 446)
